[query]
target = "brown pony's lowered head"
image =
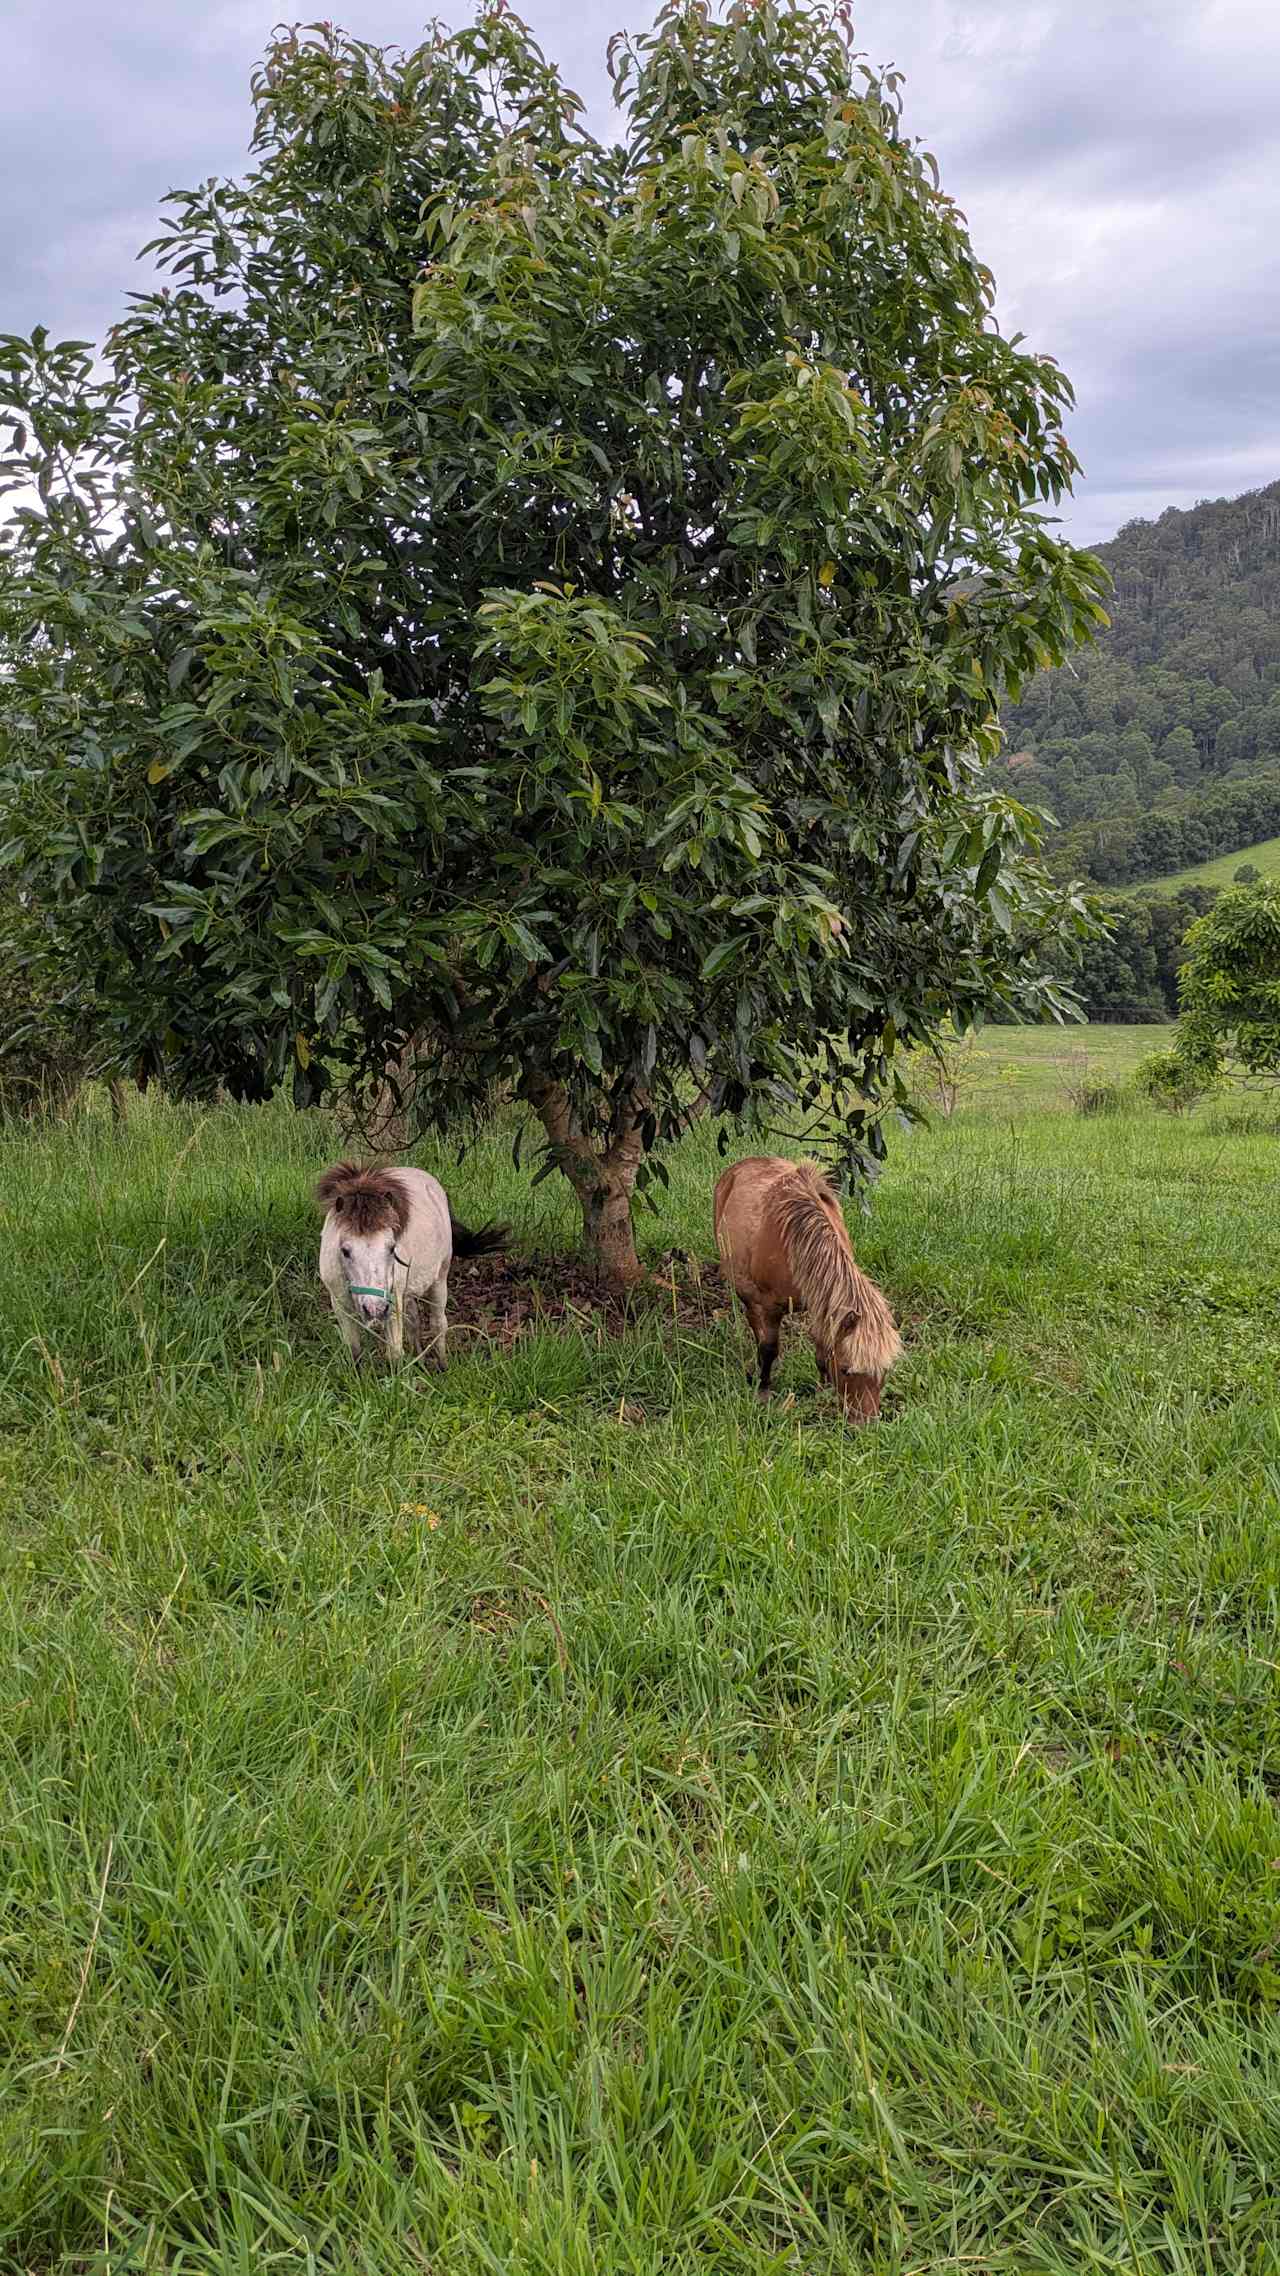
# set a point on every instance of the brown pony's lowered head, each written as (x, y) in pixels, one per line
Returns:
(853, 1329)
(859, 1344)
(370, 1210)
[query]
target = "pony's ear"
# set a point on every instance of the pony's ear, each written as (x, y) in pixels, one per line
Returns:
(333, 1185)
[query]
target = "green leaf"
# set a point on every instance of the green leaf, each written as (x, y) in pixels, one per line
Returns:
(988, 870)
(723, 955)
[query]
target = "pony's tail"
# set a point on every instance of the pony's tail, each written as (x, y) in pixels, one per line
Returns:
(479, 1244)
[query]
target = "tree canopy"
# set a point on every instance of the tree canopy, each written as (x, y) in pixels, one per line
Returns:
(530, 611)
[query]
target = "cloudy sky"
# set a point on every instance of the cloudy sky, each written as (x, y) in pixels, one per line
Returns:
(1119, 162)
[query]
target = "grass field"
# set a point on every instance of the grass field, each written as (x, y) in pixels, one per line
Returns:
(562, 1819)
(1010, 1071)
(1265, 857)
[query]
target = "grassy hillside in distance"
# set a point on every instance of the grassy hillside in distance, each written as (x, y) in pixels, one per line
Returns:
(1265, 858)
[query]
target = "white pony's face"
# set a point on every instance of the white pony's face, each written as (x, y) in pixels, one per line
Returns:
(367, 1211)
(368, 1263)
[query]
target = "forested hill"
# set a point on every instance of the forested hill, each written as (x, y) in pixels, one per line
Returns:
(1180, 697)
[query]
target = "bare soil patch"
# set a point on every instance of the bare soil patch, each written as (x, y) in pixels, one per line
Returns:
(501, 1298)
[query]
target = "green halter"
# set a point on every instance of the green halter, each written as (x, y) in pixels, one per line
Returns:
(385, 1293)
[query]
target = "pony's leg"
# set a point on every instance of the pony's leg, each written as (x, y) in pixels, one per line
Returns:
(766, 1323)
(437, 1335)
(351, 1336)
(768, 1354)
(393, 1337)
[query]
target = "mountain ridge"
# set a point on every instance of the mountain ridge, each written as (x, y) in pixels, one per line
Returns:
(1178, 702)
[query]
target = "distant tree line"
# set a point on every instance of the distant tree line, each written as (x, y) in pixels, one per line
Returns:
(1132, 975)
(1126, 847)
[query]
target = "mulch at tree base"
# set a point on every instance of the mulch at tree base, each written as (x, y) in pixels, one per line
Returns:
(501, 1298)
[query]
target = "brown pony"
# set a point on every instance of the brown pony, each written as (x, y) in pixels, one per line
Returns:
(785, 1247)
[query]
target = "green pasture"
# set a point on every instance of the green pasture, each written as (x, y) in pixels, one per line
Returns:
(563, 1818)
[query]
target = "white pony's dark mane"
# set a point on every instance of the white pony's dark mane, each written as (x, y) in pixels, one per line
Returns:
(368, 1200)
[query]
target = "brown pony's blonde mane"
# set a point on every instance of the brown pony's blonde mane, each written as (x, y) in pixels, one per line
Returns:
(365, 1199)
(848, 1316)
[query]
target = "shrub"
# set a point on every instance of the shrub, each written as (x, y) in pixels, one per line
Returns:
(940, 1071)
(1171, 1082)
(1078, 1079)
(1230, 985)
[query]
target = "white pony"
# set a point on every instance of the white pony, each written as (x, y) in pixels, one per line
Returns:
(389, 1239)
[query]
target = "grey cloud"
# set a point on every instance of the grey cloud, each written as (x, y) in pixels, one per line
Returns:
(1118, 167)
(1119, 170)
(106, 105)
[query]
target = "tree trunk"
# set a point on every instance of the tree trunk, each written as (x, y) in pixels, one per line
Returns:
(380, 1122)
(609, 1235)
(604, 1182)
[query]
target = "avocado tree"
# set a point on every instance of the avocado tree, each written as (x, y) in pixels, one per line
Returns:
(517, 611)
(1229, 986)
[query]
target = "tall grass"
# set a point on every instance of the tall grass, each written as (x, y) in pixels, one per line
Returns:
(562, 1818)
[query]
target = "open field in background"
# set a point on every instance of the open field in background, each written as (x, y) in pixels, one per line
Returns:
(1016, 1070)
(1265, 857)
(561, 1819)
